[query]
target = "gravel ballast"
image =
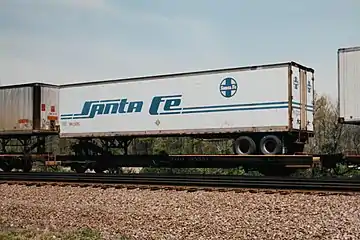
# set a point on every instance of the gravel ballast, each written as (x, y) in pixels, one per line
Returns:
(165, 214)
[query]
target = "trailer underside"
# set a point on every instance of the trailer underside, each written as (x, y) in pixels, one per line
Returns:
(108, 154)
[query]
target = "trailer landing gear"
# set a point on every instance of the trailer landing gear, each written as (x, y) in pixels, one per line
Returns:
(16, 152)
(88, 152)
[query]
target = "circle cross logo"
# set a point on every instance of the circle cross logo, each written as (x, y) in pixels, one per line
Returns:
(228, 87)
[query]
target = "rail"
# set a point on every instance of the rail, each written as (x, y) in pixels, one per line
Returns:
(194, 181)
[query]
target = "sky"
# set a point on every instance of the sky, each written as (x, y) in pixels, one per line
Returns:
(66, 41)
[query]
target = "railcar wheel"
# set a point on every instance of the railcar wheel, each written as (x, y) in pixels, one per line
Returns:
(244, 145)
(270, 145)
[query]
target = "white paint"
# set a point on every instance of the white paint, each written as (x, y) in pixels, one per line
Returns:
(49, 97)
(310, 89)
(302, 81)
(349, 84)
(197, 90)
(296, 96)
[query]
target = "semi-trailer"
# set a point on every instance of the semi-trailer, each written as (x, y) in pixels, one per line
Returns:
(29, 114)
(266, 110)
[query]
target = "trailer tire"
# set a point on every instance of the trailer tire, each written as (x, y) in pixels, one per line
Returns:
(244, 145)
(270, 145)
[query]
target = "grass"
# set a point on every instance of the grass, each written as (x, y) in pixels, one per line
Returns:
(83, 234)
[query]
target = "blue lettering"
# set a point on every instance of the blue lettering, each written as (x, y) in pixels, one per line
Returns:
(170, 106)
(159, 105)
(104, 107)
(111, 107)
(86, 108)
(96, 109)
(122, 106)
(154, 106)
(135, 107)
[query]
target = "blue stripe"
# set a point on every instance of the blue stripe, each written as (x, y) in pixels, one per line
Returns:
(172, 96)
(214, 108)
(306, 105)
(107, 101)
(234, 105)
(234, 109)
(176, 109)
(81, 117)
(169, 113)
(307, 109)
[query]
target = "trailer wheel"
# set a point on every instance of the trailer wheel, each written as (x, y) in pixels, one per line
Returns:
(270, 145)
(244, 145)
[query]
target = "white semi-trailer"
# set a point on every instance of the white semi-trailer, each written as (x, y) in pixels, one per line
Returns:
(266, 109)
(349, 85)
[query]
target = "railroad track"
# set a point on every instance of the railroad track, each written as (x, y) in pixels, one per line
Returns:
(184, 182)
